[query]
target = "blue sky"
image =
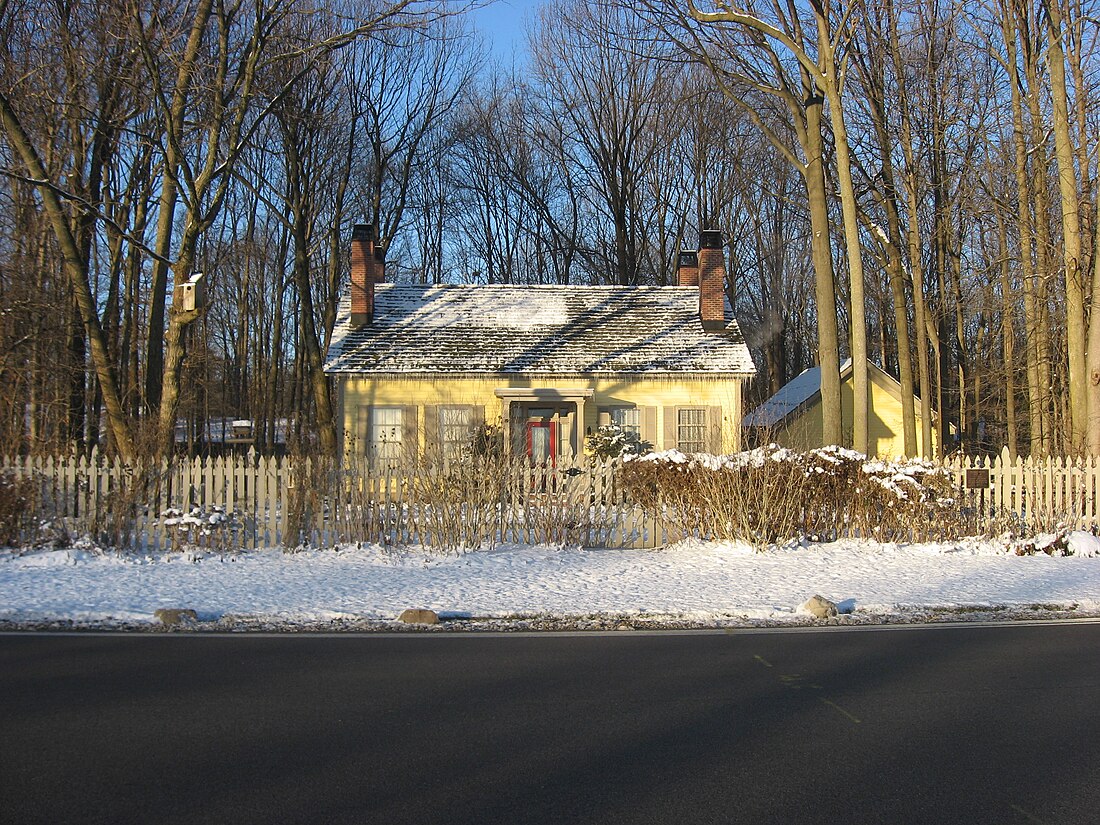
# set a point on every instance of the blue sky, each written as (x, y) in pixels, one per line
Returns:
(502, 24)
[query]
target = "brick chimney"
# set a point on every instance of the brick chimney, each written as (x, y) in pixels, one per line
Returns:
(712, 279)
(687, 268)
(376, 266)
(368, 267)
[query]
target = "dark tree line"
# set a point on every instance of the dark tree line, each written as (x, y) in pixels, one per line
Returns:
(912, 184)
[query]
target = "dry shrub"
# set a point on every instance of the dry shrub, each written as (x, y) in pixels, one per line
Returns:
(465, 504)
(556, 505)
(772, 494)
(457, 504)
(554, 518)
(314, 488)
(130, 495)
(759, 504)
(127, 504)
(448, 506)
(453, 503)
(884, 500)
(18, 510)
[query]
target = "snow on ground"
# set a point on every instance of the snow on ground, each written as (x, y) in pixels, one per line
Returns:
(703, 583)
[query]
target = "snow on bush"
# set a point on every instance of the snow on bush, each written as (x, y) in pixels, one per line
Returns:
(1062, 542)
(772, 494)
(205, 528)
(612, 441)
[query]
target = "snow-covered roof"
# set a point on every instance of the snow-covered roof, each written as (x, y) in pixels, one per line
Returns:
(792, 396)
(535, 329)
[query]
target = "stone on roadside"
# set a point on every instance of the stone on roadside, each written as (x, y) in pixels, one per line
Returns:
(172, 616)
(819, 607)
(415, 616)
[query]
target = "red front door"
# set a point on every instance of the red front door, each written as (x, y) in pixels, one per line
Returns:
(542, 441)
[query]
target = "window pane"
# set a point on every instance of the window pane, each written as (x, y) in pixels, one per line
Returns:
(541, 442)
(455, 429)
(626, 419)
(386, 432)
(691, 430)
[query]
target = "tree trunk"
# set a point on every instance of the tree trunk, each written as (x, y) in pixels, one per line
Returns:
(313, 359)
(1035, 392)
(1093, 392)
(915, 244)
(1064, 153)
(77, 276)
(828, 356)
(1008, 338)
(861, 400)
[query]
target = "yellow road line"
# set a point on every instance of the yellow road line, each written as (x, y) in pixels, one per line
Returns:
(1031, 817)
(833, 704)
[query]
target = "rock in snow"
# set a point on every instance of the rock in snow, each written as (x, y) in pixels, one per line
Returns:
(169, 616)
(819, 607)
(414, 616)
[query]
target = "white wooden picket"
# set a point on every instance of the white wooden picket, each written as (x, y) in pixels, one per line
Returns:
(275, 501)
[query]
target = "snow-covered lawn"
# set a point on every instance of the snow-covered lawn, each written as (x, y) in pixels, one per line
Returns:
(692, 582)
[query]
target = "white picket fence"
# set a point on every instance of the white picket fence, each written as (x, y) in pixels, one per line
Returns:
(247, 501)
(1041, 493)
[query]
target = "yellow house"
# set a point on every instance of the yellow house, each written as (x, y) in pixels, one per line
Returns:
(792, 417)
(421, 367)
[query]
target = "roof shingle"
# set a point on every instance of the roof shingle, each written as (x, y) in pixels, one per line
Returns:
(535, 329)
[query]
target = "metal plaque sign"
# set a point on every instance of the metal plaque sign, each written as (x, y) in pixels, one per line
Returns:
(977, 479)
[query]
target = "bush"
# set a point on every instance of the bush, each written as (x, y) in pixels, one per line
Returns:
(456, 504)
(18, 510)
(487, 441)
(613, 441)
(772, 494)
(202, 528)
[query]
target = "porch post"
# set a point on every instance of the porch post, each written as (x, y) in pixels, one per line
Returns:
(578, 429)
(507, 418)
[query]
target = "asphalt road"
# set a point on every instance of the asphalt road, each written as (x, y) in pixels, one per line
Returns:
(972, 725)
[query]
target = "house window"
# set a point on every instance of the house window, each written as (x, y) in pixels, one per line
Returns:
(456, 426)
(627, 420)
(691, 429)
(386, 433)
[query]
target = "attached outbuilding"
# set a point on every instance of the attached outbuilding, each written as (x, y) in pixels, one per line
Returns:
(792, 417)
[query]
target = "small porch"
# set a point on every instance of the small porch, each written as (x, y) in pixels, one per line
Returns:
(544, 424)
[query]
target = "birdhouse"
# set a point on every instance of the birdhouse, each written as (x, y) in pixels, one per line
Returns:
(192, 294)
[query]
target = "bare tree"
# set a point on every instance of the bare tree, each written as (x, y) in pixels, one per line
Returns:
(600, 78)
(88, 106)
(400, 90)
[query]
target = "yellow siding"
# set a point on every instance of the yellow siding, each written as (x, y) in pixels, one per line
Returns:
(663, 394)
(885, 427)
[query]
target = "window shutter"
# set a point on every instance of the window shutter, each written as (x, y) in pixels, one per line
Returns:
(432, 443)
(362, 430)
(603, 417)
(714, 429)
(411, 433)
(477, 422)
(647, 417)
(670, 429)
(517, 429)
